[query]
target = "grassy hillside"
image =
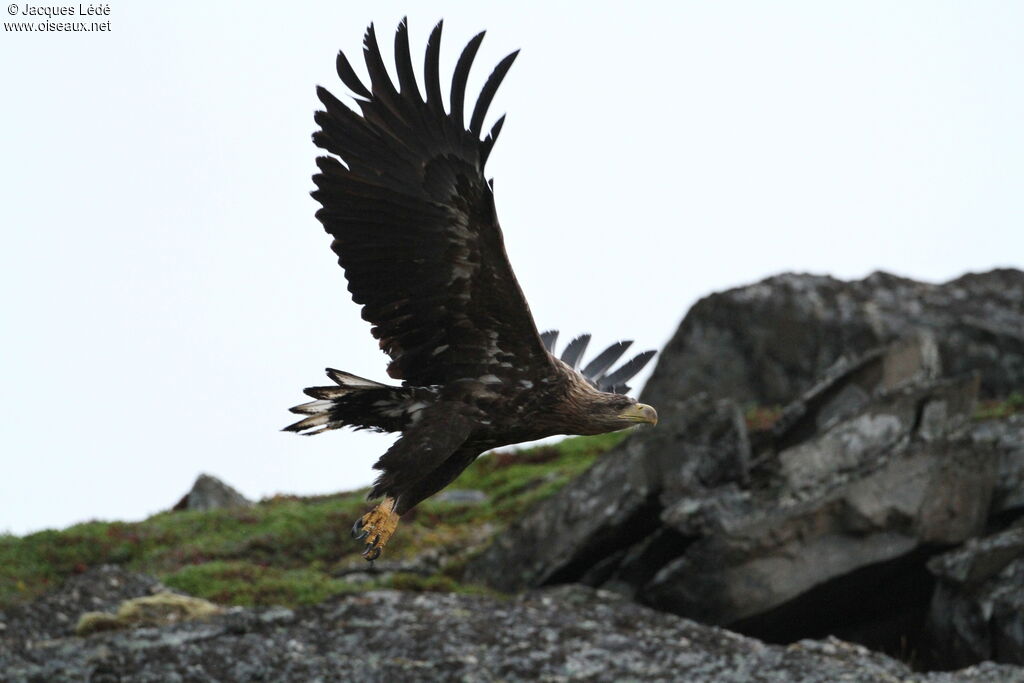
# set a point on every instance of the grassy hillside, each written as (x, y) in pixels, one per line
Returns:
(289, 550)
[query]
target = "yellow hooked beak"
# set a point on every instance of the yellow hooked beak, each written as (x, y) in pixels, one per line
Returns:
(640, 412)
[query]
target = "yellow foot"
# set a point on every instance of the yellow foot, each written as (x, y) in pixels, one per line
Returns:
(377, 527)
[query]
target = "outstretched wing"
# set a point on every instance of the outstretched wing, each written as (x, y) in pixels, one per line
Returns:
(414, 224)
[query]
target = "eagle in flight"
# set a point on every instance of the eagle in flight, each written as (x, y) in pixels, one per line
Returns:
(404, 196)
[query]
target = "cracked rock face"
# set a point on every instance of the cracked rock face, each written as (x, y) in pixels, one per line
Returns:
(562, 634)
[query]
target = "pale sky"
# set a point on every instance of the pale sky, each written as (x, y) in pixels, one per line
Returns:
(167, 293)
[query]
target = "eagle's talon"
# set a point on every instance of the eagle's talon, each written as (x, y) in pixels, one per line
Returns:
(377, 525)
(358, 532)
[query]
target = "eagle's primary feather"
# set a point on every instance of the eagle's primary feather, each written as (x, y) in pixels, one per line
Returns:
(404, 196)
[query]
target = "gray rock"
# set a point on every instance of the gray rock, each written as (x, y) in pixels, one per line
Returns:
(562, 634)
(770, 341)
(460, 497)
(210, 493)
(1006, 436)
(977, 610)
(852, 382)
(55, 614)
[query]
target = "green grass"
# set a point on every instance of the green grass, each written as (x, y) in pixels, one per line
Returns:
(285, 550)
(247, 583)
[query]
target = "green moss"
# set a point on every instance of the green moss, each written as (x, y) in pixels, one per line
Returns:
(245, 583)
(995, 409)
(283, 550)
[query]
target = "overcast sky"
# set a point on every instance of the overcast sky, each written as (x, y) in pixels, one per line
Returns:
(167, 293)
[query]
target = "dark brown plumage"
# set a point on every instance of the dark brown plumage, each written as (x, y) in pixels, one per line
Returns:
(412, 216)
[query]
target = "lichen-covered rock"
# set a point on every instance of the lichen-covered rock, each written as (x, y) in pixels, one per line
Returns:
(770, 341)
(150, 610)
(562, 634)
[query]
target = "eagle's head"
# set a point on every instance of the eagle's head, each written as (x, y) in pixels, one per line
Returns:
(605, 412)
(627, 412)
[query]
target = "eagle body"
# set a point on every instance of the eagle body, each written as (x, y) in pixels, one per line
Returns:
(412, 217)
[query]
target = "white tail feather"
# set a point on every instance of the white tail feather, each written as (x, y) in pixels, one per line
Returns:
(313, 407)
(349, 381)
(317, 420)
(332, 392)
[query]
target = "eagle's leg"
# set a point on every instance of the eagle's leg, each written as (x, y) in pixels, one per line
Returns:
(377, 526)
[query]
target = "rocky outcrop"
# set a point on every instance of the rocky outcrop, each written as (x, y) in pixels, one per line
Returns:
(560, 634)
(822, 525)
(768, 342)
(210, 493)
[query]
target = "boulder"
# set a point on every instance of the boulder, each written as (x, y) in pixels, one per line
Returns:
(766, 343)
(210, 493)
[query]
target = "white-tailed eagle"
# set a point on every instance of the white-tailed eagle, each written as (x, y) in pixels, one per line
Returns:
(404, 196)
